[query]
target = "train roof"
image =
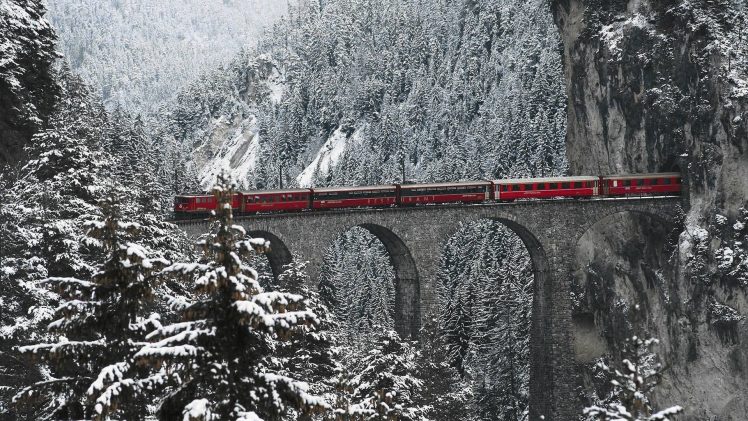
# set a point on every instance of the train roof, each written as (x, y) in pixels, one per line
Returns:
(357, 188)
(637, 176)
(276, 191)
(457, 184)
(545, 180)
(194, 195)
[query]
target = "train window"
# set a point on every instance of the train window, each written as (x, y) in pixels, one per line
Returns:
(668, 181)
(578, 185)
(528, 187)
(640, 182)
(553, 186)
(564, 185)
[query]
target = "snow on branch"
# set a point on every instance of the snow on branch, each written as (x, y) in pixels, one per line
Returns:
(52, 349)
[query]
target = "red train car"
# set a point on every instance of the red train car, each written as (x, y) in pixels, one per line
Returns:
(200, 205)
(641, 184)
(275, 200)
(194, 205)
(464, 192)
(350, 197)
(197, 205)
(544, 188)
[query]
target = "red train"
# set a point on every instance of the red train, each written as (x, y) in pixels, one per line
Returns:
(294, 200)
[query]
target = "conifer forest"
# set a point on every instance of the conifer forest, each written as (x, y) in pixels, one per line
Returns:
(113, 110)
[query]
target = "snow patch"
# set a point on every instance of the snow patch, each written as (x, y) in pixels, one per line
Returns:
(199, 409)
(238, 155)
(612, 34)
(327, 157)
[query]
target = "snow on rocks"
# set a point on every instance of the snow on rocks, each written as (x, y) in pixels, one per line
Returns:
(327, 157)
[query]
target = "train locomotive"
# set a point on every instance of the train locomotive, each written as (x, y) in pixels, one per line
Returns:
(402, 195)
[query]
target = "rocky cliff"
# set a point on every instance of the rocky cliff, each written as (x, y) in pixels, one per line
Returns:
(660, 85)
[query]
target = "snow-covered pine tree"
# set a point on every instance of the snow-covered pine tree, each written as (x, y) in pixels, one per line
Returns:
(41, 222)
(380, 384)
(640, 372)
(219, 361)
(311, 355)
(98, 324)
(443, 395)
(28, 86)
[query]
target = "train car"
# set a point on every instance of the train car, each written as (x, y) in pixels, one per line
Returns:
(275, 200)
(641, 184)
(350, 197)
(464, 192)
(545, 188)
(194, 205)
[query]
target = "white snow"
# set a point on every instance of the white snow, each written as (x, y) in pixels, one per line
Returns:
(248, 416)
(237, 155)
(326, 158)
(612, 34)
(199, 409)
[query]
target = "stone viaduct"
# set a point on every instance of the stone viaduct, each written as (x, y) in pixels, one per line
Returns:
(414, 238)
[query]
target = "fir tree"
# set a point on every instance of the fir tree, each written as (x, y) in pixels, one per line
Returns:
(219, 359)
(639, 374)
(443, 395)
(311, 355)
(380, 384)
(98, 324)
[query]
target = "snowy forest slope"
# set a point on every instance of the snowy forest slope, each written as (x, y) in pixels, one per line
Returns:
(138, 54)
(433, 90)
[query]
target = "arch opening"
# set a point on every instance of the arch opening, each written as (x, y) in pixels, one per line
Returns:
(271, 265)
(407, 286)
(369, 279)
(492, 272)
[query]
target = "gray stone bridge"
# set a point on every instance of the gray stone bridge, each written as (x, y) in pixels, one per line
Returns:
(414, 238)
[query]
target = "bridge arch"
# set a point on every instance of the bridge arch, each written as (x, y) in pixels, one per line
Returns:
(542, 318)
(407, 306)
(407, 283)
(279, 254)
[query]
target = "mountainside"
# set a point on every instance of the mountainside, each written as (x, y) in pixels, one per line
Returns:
(661, 86)
(425, 90)
(359, 92)
(138, 54)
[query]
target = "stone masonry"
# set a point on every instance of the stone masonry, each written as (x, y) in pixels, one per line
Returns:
(414, 238)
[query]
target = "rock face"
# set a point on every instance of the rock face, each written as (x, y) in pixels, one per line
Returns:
(653, 86)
